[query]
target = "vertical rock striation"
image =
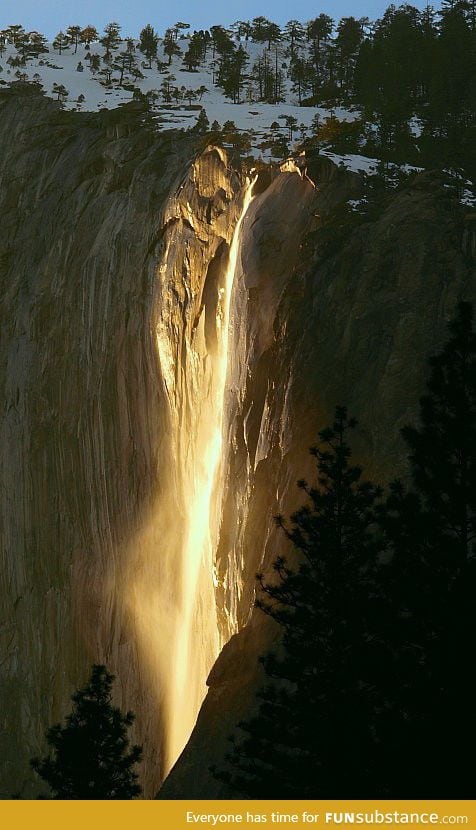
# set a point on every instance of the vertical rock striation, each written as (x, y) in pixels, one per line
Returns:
(340, 309)
(132, 280)
(97, 256)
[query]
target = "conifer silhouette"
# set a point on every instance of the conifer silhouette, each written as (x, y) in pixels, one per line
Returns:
(312, 733)
(370, 693)
(91, 758)
(430, 531)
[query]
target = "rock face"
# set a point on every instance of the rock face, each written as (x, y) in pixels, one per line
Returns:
(88, 211)
(365, 304)
(116, 244)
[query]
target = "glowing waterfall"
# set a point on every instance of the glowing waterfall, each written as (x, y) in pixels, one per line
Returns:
(199, 453)
(169, 585)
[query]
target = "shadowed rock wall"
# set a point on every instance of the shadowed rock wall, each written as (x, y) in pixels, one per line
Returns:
(86, 214)
(110, 235)
(365, 303)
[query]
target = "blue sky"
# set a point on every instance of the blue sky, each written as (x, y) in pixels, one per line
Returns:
(48, 16)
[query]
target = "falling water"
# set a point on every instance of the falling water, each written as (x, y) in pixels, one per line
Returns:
(171, 597)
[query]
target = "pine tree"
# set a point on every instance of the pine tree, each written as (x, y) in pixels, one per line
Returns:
(300, 77)
(349, 38)
(243, 28)
(222, 43)
(166, 87)
(312, 735)
(61, 42)
(89, 35)
(91, 758)
(37, 45)
(94, 63)
(294, 32)
(291, 123)
(189, 95)
(443, 449)
(202, 124)
(259, 29)
(73, 34)
(111, 38)
(125, 63)
(230, 74)
(318, 30)
(60, 91)
(431, 531)
(194, 54)
(273, 34)
(15, 33)
(148, 43)
(442, 454)
(268, 82)
(170, 46)
(22, 45)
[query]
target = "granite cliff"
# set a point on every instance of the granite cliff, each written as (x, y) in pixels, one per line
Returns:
(153, 304)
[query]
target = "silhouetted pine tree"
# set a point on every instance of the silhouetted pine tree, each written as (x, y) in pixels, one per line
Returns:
(431, 530)
(371, 690)
(91, 758)
(313, 733)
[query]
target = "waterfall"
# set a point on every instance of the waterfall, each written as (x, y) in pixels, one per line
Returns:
(197, 640)
(172, 599)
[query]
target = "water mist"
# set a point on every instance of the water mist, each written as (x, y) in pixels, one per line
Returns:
(172, 600)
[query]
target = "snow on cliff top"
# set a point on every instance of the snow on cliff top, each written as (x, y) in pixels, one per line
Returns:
(87, 91)
(53, 68)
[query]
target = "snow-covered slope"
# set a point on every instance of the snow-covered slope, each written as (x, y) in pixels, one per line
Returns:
(262, 123)
(53, 68)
